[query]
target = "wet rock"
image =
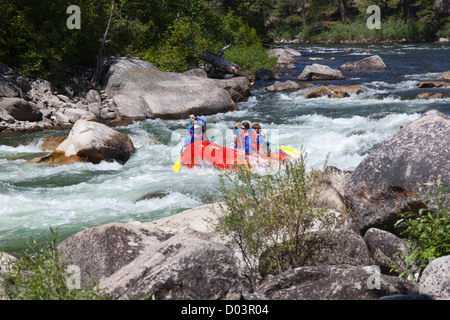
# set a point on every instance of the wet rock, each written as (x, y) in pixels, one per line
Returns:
(369, 63)
(433, 84)
(446, 75)
(332, 91)
(432, 95)
(50, 144)
(284, 86)
(320, 72)
(92, 142)
(265, 75)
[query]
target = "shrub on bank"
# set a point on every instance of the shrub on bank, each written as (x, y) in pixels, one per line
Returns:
(41, 274)
(277, 221)
(427, 231)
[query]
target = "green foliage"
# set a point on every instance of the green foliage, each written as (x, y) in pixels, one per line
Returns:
(427, 231)
(276, 221)
(40, 274)
(445, 31)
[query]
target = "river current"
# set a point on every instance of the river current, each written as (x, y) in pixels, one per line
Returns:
(70, 198)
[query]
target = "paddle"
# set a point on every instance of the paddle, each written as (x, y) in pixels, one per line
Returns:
(177, 165)
(290, 151)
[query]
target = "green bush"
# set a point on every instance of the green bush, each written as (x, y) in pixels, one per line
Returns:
(251, 58)
(445, 31)
(277, 222)
(427, 231)
(40, 274)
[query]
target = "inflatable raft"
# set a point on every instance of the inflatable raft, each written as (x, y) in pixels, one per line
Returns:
(203, 152)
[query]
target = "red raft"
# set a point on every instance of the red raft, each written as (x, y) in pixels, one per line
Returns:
(201, 152)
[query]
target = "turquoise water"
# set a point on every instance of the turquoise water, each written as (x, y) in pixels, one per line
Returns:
(71, 198)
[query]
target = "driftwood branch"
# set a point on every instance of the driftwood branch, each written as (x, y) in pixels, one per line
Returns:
(222, 51)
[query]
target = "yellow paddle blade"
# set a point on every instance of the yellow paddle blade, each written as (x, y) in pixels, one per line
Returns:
(292, 152)
(177, 165)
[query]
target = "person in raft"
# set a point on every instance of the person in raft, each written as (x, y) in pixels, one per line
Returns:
(247, 137)
(197, 131)
(262, 145)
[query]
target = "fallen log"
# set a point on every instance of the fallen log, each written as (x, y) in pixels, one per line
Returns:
(220, 63)
(217, 60)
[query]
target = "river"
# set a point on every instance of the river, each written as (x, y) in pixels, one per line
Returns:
(71, 198)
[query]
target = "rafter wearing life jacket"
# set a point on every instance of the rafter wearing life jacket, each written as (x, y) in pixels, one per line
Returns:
(263, 145)
(197, 131)
(248, 136)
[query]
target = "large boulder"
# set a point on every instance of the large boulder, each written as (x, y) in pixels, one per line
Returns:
(134, 262)
(328, 282)
(93, 142)
(139, 91)
(407, 164)
(369, 63)
(320, 72)
(20, 109)
(435, 279)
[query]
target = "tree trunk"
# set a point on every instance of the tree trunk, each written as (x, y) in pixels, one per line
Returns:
(343, 10)
(102, 47)
(217, 60)
(303, 5)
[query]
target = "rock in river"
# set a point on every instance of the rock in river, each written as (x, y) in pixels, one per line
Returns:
(139, 91)
(320, 72)
(369, 63)
(407, 164)
(93, 142)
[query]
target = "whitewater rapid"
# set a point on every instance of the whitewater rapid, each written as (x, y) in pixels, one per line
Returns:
(35, 197)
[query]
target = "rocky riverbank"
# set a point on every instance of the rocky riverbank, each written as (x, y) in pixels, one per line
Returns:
(129, 90)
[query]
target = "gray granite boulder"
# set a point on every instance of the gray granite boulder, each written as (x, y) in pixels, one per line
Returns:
(135, 262)
(140, 91)
(407, 164)
(435, 279)
(320, 72)
(328, 282)
(20, 109)
(369, 63)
